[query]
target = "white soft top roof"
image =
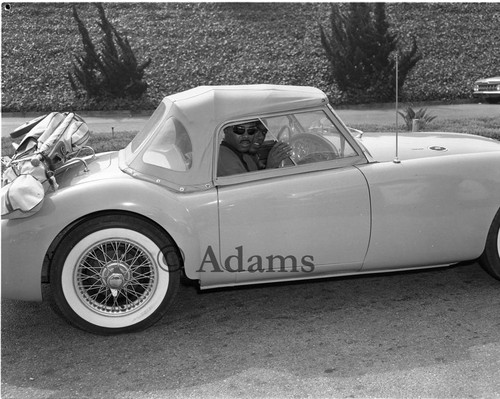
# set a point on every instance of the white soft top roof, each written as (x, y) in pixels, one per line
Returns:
(227, 102)
(203, 110)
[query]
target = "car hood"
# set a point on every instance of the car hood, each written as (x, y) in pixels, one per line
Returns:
(382, 146)
(98, 167)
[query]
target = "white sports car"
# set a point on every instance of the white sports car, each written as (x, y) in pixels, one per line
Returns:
(114, 238)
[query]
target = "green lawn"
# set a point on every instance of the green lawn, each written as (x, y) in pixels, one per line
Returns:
(487, 127)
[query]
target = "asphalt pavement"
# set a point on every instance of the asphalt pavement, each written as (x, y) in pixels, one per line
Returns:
(103, 122)
(429, 334)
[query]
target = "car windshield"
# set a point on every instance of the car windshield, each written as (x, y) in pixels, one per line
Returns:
(312, 135)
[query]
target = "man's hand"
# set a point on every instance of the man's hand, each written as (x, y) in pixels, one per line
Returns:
(278, 153)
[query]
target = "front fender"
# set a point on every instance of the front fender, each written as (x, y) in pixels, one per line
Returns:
(25, 242)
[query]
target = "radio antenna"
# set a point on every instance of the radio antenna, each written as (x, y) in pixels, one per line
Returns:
(396, 160)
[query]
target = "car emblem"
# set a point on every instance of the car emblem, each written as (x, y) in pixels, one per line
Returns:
(438, 148)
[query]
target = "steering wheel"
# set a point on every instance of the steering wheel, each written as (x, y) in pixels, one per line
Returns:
(309, 148)
(284, 134)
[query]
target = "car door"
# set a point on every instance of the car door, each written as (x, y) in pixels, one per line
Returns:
(307, 220)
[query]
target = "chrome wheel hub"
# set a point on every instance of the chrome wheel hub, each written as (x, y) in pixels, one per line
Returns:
(115, 275)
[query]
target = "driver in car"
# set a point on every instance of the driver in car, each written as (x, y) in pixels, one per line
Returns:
(240, 143)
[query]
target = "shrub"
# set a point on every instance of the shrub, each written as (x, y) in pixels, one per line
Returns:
(421, 115)
(361, 52)
(114, 72)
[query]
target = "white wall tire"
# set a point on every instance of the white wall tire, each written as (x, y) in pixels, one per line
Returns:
(110, 275)
(490, 259)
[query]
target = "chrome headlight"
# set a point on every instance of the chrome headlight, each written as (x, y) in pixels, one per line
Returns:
(498, 87)
(476, 87)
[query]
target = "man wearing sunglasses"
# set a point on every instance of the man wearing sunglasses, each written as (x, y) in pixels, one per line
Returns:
(234, 156)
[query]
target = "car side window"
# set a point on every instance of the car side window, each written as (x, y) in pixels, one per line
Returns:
(170, 148)
(311, 135)
(282, 141)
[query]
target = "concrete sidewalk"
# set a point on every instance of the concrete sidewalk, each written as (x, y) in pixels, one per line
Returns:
(104, 122)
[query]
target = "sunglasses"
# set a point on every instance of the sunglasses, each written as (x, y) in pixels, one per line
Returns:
(240, 130)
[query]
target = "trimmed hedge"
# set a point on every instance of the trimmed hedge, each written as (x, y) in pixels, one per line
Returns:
(194, 44)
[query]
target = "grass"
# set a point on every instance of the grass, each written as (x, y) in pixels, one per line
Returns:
(487, 127)
(194, 44)
(103, 142)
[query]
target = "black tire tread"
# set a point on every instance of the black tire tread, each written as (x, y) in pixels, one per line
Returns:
(490, 259)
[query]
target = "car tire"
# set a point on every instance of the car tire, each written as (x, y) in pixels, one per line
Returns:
(114, 274)
(490, 259)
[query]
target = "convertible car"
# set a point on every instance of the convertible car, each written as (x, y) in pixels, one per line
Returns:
(114, 237)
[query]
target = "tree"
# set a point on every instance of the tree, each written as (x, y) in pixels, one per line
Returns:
(362, 52)
(114, 72)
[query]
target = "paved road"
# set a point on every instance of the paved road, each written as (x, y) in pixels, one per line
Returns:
(123, 121)
(433, 334)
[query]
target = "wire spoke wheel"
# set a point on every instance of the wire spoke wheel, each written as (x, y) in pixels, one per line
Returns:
(112, 276)
(115, 277)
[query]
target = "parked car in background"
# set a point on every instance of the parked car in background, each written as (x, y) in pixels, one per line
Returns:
(114, 237)
(487, 90)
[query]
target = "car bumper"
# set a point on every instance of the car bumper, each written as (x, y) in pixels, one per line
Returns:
(486, 94)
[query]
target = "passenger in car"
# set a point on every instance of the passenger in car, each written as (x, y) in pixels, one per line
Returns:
(258, 150)
(268, 154)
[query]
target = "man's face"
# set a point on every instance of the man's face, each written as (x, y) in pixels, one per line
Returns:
(258, 139)
(238, 136)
